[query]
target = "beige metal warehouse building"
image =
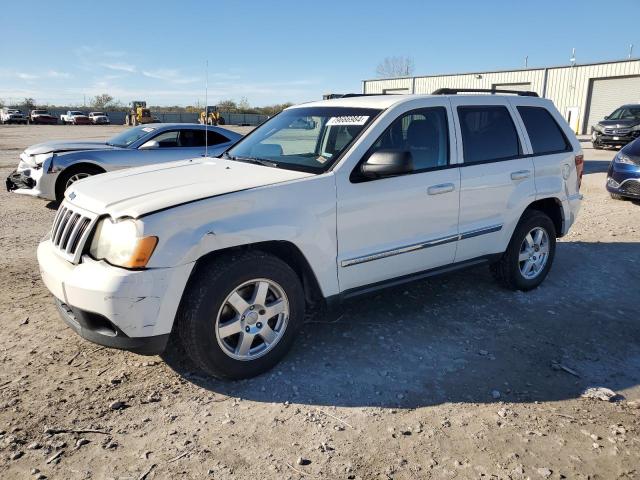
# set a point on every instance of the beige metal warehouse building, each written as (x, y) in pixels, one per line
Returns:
(583, 93)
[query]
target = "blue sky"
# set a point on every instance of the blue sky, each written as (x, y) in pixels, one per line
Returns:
(276, 51)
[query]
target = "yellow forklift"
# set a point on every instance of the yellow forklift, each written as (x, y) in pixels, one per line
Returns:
(211, 116)
(138, 114)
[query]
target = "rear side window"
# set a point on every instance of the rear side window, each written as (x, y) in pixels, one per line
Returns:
(544, 133)
(488, 134)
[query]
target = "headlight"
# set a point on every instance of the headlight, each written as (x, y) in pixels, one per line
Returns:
(612, 183)
(597, 127)
(622, 158)
(119, 244)
(40, 159)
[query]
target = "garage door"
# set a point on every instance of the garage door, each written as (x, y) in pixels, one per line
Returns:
(607, 94)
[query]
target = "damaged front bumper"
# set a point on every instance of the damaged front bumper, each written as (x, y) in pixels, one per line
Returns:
(111, 306)
(18, 180)
(35, 181)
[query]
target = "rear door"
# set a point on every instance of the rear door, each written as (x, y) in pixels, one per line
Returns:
(496, 174)
(554, 147)
(397, 226)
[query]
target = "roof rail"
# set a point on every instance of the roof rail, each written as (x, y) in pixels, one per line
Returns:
(493, 91)
(349, 95)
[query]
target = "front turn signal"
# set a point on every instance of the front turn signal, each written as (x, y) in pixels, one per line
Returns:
(142, 252)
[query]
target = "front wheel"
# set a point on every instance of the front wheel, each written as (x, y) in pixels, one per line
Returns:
(530, 253)
(70, 176)
(240, 314)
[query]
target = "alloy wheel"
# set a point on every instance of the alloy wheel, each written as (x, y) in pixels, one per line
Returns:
(252, 319)
(534, 253)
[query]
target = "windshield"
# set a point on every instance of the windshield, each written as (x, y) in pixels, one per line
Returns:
(626, 113)
(40, 111)
(308, 139)
(127, 137)
(77, 113)
(97, 114)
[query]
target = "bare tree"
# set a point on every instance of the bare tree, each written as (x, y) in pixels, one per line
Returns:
(28, 103)
(101, 101)
(395, 67)
(227, 106)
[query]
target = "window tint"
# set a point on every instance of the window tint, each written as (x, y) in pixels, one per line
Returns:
(167, 139)
(422, 132)
(488, 134)
(544, 133)
(215, 138)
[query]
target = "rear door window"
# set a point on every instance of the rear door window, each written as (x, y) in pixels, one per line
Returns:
(544, 133)
(488, 134)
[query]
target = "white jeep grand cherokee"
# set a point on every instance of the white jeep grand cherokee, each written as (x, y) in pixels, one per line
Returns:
(324, 201)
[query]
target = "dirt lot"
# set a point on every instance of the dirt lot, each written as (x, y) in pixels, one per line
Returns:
(447, 378)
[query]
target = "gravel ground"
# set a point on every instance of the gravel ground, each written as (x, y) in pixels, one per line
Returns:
(452, 377)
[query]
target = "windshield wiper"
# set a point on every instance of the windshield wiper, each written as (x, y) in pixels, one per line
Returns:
(254, 160)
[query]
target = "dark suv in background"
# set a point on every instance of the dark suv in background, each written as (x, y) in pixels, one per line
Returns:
(619, 128)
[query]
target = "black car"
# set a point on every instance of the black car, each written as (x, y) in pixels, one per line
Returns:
(619, 128)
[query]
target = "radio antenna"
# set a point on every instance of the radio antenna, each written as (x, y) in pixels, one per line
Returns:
(206, 112)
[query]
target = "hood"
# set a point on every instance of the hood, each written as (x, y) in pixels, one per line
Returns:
(632, 149)
(619, 123)
(66, 146)
(136, 191)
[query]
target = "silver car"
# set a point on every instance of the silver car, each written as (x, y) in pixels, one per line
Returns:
(47, 169)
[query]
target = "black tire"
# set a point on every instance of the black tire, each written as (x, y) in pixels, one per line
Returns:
(64, 177)
(221, 121)
(507, 270)
(205, 294)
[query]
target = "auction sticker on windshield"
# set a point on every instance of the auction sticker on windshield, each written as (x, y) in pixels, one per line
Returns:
(348, 120)
(148, 129)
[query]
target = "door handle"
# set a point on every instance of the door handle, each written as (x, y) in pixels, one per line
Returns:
(520, 175)
(441, 188)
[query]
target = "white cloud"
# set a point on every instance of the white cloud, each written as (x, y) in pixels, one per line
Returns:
(26, 76)
(120, 67)
(56, 74)
(169, 75)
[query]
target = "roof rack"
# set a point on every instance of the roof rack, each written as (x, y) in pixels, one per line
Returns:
(493, 91)
(349, 95)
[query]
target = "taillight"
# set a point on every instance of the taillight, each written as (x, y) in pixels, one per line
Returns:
(579, 168)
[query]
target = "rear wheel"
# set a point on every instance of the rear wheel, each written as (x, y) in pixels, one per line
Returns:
(70, 176)
(530, 253)
(240, 314)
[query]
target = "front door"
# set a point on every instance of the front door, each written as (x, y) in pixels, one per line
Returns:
(396, 226)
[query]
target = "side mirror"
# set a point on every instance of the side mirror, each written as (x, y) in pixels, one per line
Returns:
(149, 145)
(606, 117)
(387, 163)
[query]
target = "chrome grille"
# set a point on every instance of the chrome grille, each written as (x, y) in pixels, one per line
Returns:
(630, 187)
(617, 131)
(70, 231)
